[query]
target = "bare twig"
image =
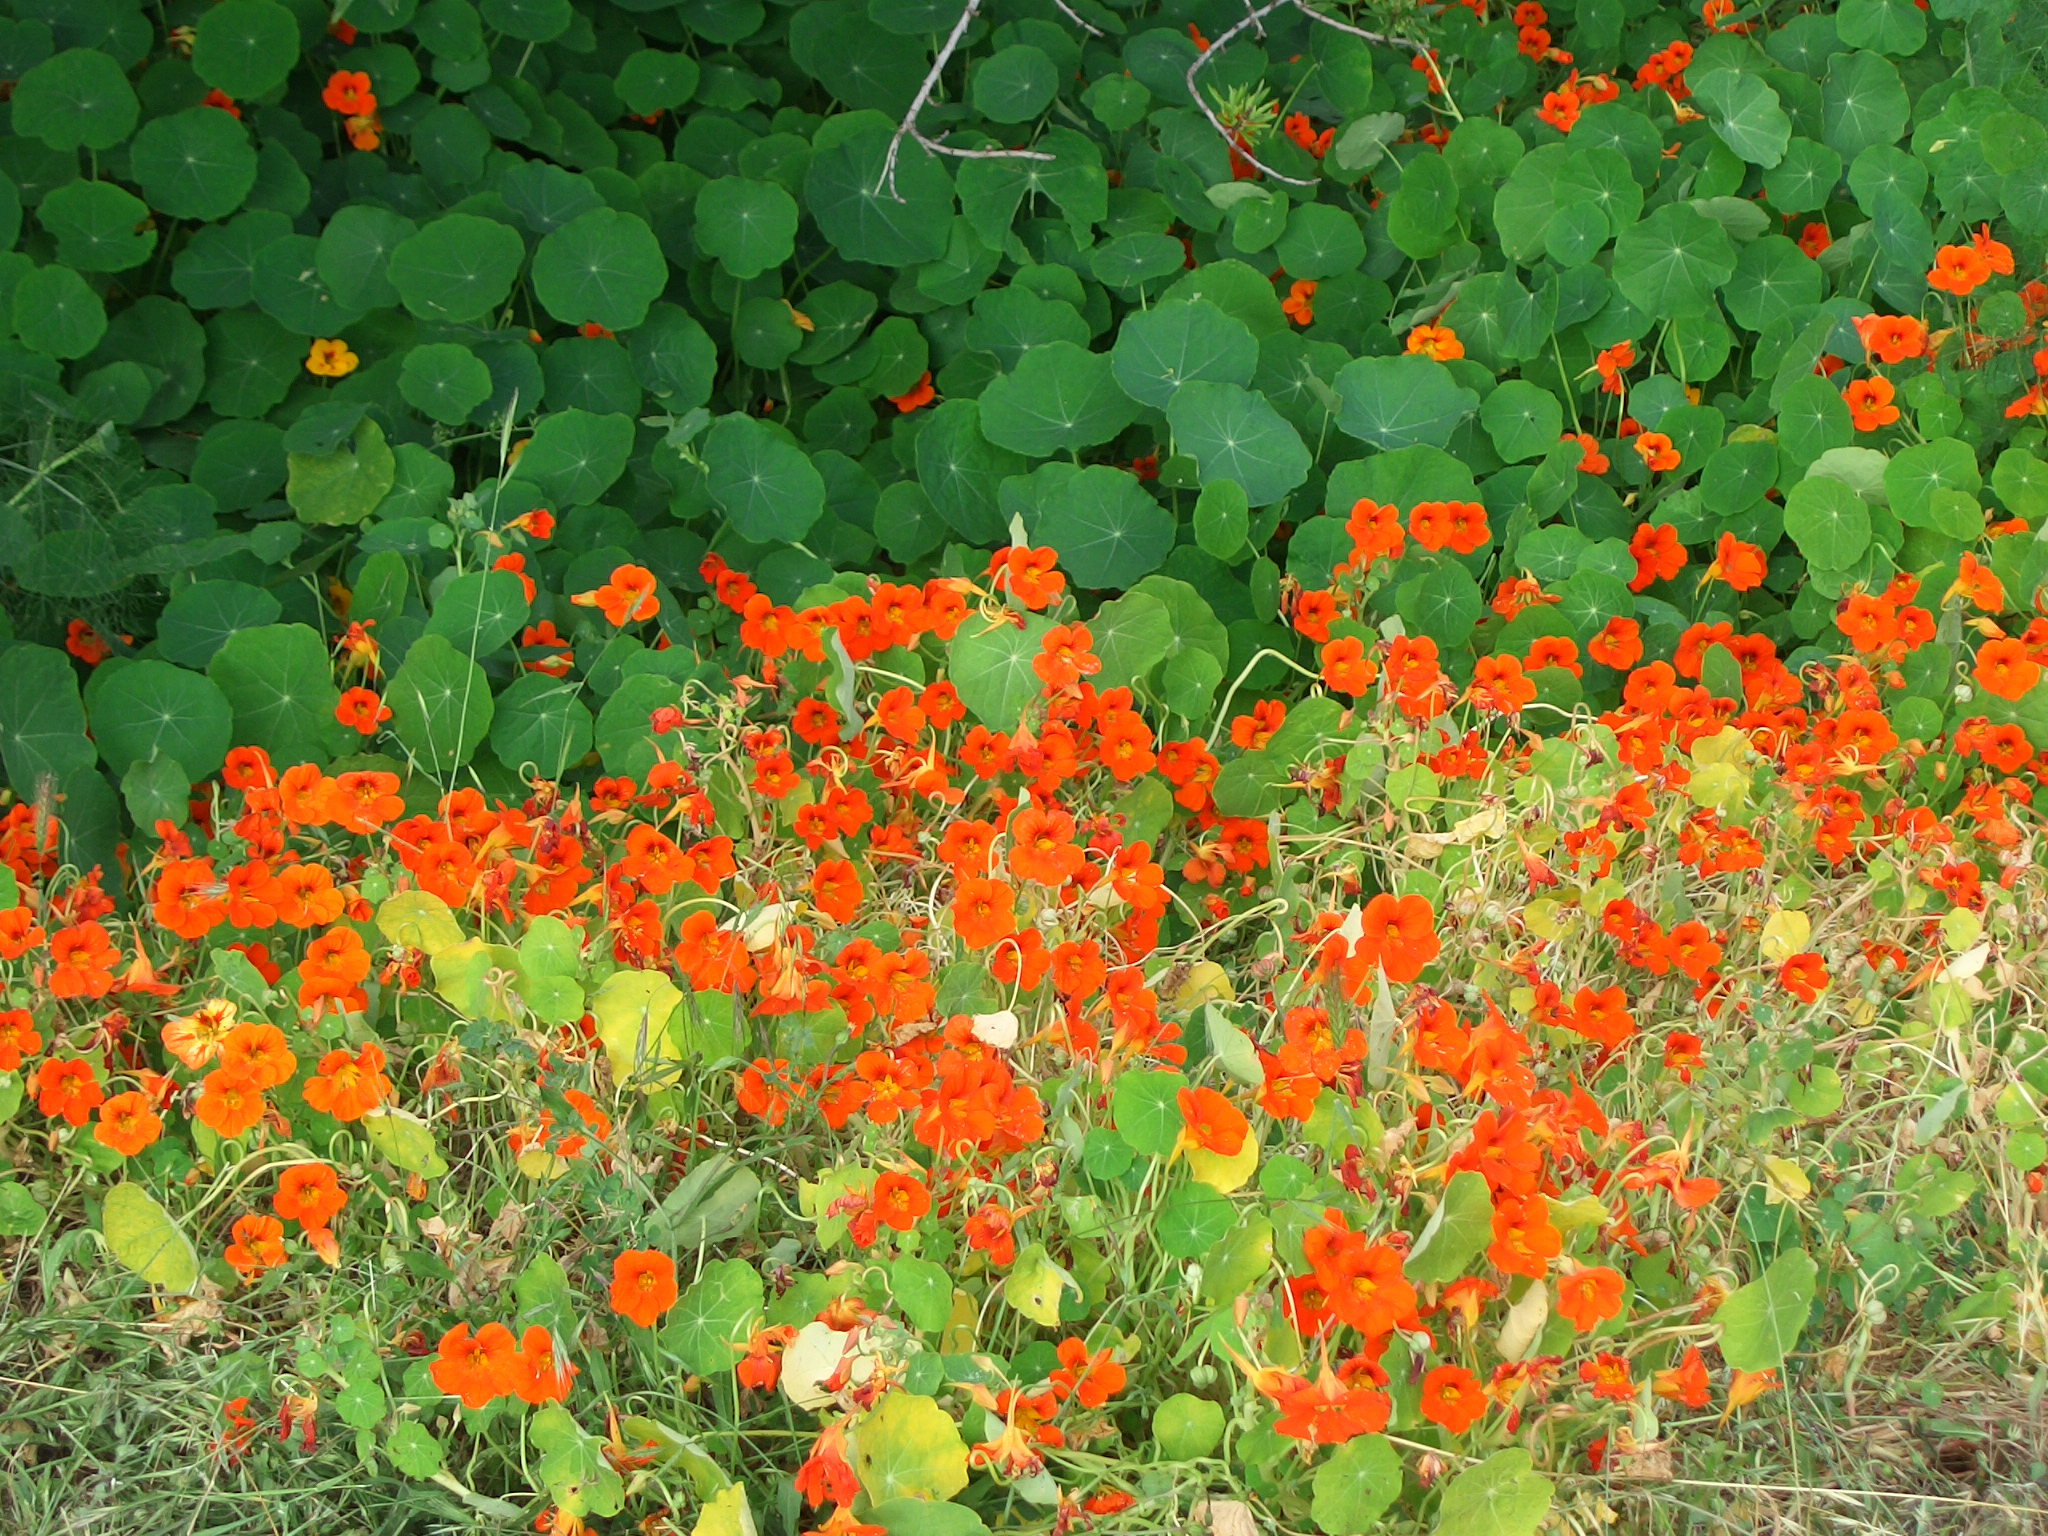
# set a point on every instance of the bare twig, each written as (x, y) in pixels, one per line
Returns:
(1074, 16)
(1237, 146)
(1383, 39)
(908, 127)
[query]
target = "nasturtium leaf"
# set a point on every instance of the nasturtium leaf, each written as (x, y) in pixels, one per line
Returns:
(1398, 402)
(768, 487)
(1443, 603)
(1918, 475)
(1222, 519)
(1828, 521)
(574, 456)
(479, 611)
(1598, 177)
(1107, 528)
(623, 735)
(195, 164)
(200, 619)
(217, 266)
(1320, 241)
(1761, 1321)
(960, 470)
(892, 222)
(280, 684)
(1061, 398)
(1501, 1496)
(57, 314)
(923, 1291)
(909, 1447)
(1457, 1232)
(143, 1237)
(346, 485)
(1159, 349)
(1131, 635)
(77, 99)
(251, 363)
(714, 1315)
(749, 226)
(444, 381)
(1355, 1487)
(99, 227)
(440, 705)
(245, 48)
(460, 267)
(1523, 421)
(1744, 113)
(154, 710)
(1673, 261)
(1146, 1109)
(353, 256)
(1805, 178)
(1234, 434)
(990, 667)
(1128, 263)
(1863, 104)
(1014, 85)
(42, 722)
(1193, 1217)
(654, 81)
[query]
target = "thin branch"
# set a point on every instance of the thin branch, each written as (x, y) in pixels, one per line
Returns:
(1074, 16)
(908, 127)
(1240, 149)
(1371, 37)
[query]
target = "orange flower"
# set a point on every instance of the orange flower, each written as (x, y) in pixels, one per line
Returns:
(643, 1285)
(1978, 583)
(1453, 1397)
(983, 912)
(1997, 255)
(334, 967)
(1499, 687)
(18, 1038)
(1398, 933)
(1685, 1383)
(127, 1124)
(1461, 525)
(920, 393)
(1211, 1122)
(229, 1104)
(189, 898)
(628, 598)
(19, 933)
(310, 1194)
(364, 800)
(82, 961)
(1814, 239)
(1027, 575)
(1870, 404)
(196, 1038)
(1612, 364)
(1586, 1298)
(539, 1374)
(68, 1088)
(1658, 554)
(1618, 645)
(349, 1087)
(1609, 1377)
(1091, 1379)
(348, 92)
(1299, 305)
(900, 1200)
(362, 711)
(480, 1369)
(1959, 269)
(1891, 338)
(1655, 450)
(1435, 341)
(1346, 668)
(2003, 667)
(1741, 565)
(1805, 976)
(302, 794)
(256, 1244)
(327, 359)
(836, 890)
(1591, 460)
(259, 1053)
(1524, 1241)
(1065, 656)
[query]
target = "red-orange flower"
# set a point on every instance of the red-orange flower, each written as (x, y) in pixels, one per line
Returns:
(1091, 1379)
(1453, 1397)
(256, 1243)
(310, 1194)
(2003, 667)
(984, 911)
(349, 1087)
(1211, 1122)
(1586, 1298)
(1870, 404)
(1656, 451)
(479, 1368)
(127, 1124)
(1805, 976)
(643, 1285)
(1399, 934)
(628, 598)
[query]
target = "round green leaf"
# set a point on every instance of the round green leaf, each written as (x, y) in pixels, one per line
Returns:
(1502, 1496)
(195, 164)
(56, 314)
(479, 611)
(1060, 399)
(1015, 85)
(1863, 104)
(749, 226)
(991, 669)
(1132, 635)
(1159, 349)
(1443, 604)
(652, 81)
(280, 685)
(353, 257)
(440, 704)
(1222, 519)
(1761, 1322)
(1828, 521)
(1744, 113)
(908, 1447)
(767, 485)
(42, 722)
(1235, 435)
(1146, 1109)
(201, 618)
(960, 470)
(146, 1241)
(604, 267)
(1523, 420)
(1673, 261)
(245, 48)
(1321, 241)
(154, 710)
(1774, 280)
(1355, 1487)
(622, 735)
(1397, 402)
(77, 99)
(346, 485)
(717, 1313)
(865, 220)
(540, 722)
(460, 267)
(99, 227)
(1187, 1427)
(251, 364)
(574, 456)
(1107, 528)
(444, 381)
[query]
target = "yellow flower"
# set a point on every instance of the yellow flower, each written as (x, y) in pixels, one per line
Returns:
(331, 360)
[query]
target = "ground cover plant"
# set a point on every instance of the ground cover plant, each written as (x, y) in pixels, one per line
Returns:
(864, 768)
